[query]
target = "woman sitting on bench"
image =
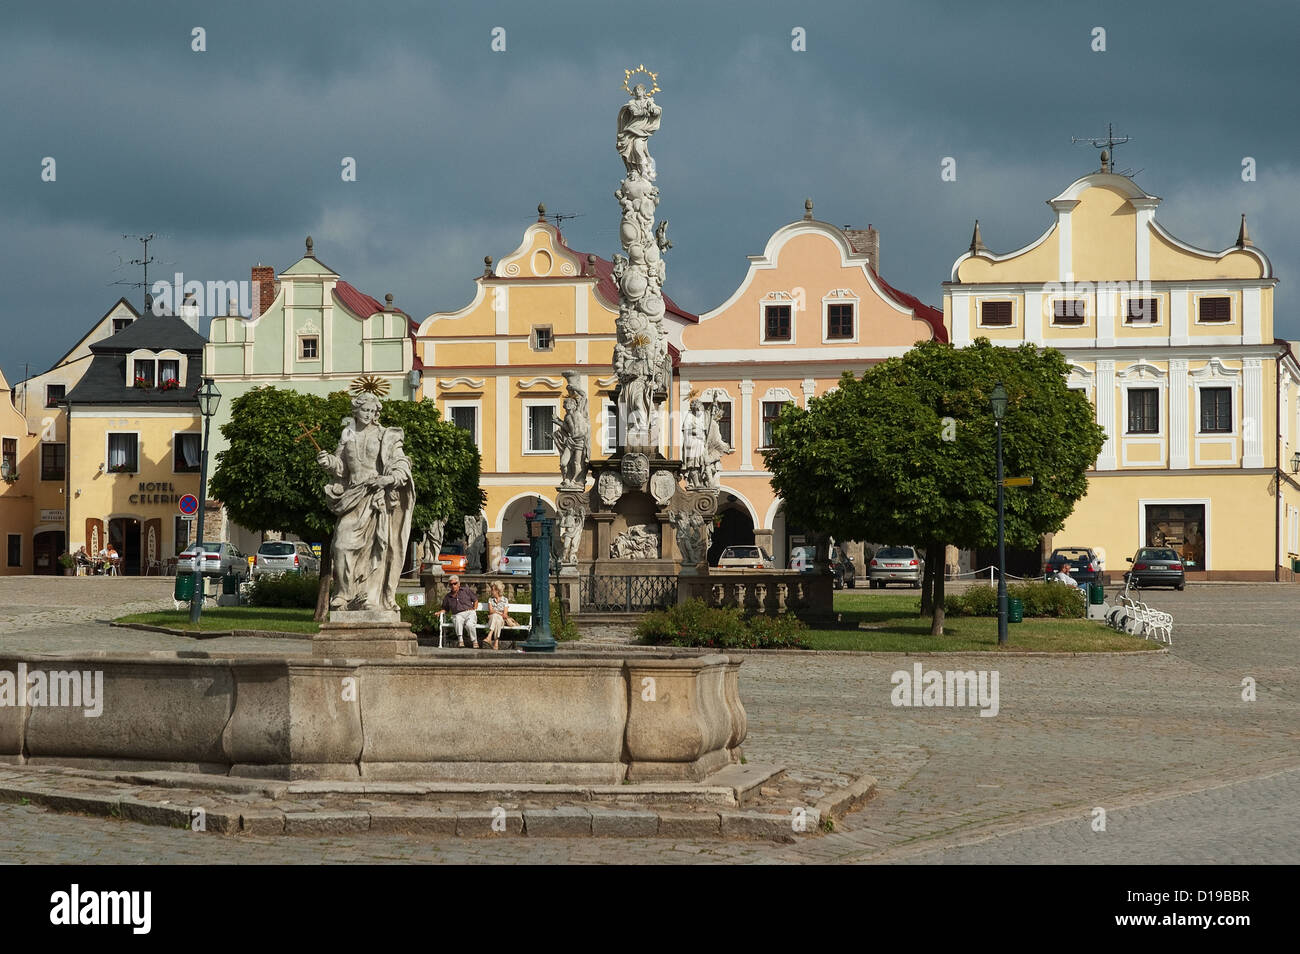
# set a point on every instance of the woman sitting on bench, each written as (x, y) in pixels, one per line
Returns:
(498, 615)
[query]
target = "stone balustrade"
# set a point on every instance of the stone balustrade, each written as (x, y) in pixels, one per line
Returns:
(763, 592)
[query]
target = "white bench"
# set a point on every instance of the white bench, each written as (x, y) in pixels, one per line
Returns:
(447, 628)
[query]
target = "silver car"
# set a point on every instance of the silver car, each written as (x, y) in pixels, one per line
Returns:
(284, 556)
(218, 559)
(517, 560)
(895, 565)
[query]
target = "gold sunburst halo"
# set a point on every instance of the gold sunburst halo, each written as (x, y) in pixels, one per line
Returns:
(654, 79)
(370, 384)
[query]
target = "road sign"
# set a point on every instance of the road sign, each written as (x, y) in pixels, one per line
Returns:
(189, 505)
(188, 517)
(1018, 482)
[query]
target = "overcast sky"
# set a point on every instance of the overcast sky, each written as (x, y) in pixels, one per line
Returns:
(233, 155)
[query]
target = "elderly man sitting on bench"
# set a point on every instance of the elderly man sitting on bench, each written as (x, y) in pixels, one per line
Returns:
(462, 603)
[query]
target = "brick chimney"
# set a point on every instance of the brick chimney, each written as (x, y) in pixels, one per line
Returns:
(264, 288)
(866, 242)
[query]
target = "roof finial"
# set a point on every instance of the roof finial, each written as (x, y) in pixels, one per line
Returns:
(977, 241)
(310, 253)
(591, 266)
(807, 209)
(1243, 236)
(487, 266)
(388, 302)
(541, 212)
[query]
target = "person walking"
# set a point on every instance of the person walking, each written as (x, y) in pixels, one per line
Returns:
(462, 604)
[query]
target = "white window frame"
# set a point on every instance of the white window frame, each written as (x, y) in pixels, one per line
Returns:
(610, 443)
(840, 296)
(1231, 388)
(175, 434)
(771, 396)
(302, 339)
(1162, 409)
(477, 406)
(526, 424)
(773, 298)
(107, 436)
(1016, 305)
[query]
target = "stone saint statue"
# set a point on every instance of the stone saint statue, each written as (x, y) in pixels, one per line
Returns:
(714, 448)
(573, 436)
(637, 122)
(571, 536)
(694, 533)
(475, 541)
(373, 499)
(695, 433)
(433, 540)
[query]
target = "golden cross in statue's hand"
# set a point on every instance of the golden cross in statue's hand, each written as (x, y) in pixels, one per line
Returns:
(307, 432)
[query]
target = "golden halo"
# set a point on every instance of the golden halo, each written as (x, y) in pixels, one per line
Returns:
(369, 384)
(654, 79)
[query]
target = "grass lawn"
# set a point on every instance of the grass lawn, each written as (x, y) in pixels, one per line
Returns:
(232, 617)
(895, 627)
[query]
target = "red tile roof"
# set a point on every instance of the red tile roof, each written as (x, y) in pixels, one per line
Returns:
(607, 291)
(931, 316)
(361, 304)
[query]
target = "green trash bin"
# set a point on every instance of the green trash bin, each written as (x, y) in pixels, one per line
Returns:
(184, 587)
(229, 585)
(1096, 594)
(1015, 610)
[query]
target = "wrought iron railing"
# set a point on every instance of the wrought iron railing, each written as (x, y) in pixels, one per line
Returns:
(626, 594)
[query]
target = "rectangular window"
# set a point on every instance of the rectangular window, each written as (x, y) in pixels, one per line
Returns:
(724, 423)
(776, 322)
(308, 348)
(1069, 311)
(144, 373)
(181, 527)
(186, 449)
(995, 313)
(1214, 309)
(1180, 527)
(1141, 311)
(123, 454)
(121, 323)
(169, 369)
(1216, 410)
(54, 394)
(609, 440)
(839, 321)
(543, 340)
(465, 416)
(54, 461)
(15, 549)
(771, 411)
(541, 428)
(9, 456)
(1143, 411)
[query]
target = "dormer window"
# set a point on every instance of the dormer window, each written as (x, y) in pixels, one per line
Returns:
(145, 370)
(164, 370)
(169, 373)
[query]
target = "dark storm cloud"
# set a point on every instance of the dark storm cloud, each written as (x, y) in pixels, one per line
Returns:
(233, 155)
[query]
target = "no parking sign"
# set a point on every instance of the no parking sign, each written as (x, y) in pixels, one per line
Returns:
(188, 506)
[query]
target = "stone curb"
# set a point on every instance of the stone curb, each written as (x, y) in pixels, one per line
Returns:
(213, 633)
(565, 821)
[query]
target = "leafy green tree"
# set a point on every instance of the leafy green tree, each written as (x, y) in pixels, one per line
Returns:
(907, 453)
(268, 478)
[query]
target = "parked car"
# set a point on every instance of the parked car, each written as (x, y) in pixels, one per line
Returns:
(1085, 566)
(843, 569)
(745, 558)
(895, 565)
(452, 558)
(517, 560)
(218, 559)
(1157, 566)
(802, 559)
(284, 556)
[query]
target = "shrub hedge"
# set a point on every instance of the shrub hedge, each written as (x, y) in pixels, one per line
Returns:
(291, 590)
(695, 624)
(1060, 600)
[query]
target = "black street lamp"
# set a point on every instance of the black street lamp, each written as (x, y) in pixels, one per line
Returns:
(540, 527)
(209, 399)
(998, 401)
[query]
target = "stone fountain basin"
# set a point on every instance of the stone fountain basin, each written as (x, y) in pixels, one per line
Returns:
(486, 717)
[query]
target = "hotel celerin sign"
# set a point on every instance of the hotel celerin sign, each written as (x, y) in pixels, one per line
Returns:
(155, 492)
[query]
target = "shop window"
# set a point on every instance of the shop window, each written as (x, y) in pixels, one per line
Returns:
(1180, 526)
(182, 529)
(54, 461)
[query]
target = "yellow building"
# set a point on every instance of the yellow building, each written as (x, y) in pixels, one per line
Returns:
(494, 368)
(17, 493)
(1174, 346)
(810, 307)
(133, 433)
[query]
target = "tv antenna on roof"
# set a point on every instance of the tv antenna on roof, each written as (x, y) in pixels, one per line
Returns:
(145, 260)
(1107, 146)
(559, 217)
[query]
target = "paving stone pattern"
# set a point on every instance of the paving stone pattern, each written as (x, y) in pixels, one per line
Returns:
(1186, 769)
